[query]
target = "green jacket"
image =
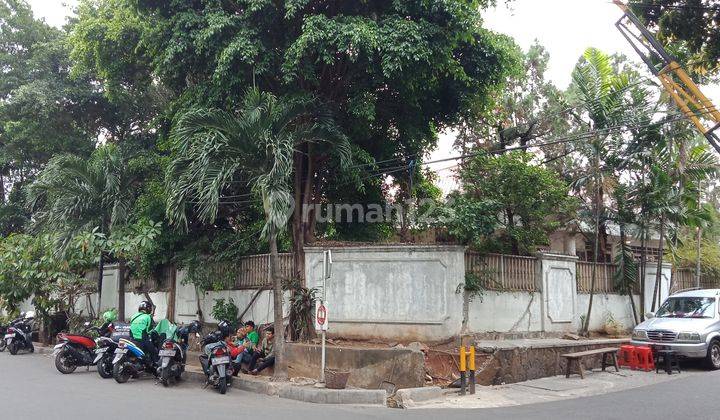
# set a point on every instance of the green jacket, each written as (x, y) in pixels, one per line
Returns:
(140, 323)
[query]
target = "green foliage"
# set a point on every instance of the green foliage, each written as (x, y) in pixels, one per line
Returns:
(526, 201)
(302, 308)
(73, 195)
(31, 267)
(688, 28)
(225, 310)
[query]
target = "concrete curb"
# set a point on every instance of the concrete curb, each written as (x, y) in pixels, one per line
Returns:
(409, 397)
(289, 391)
(375, 397)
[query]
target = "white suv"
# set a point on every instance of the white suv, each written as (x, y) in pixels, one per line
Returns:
(688, 322)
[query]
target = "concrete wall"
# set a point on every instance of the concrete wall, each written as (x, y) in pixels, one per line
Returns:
(506, 312)
(606, 305)
(406, 292)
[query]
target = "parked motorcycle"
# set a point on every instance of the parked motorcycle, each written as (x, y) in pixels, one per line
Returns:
(173, 353)
(105, 350)
(74, 350)
(215, 360)
(19, 335)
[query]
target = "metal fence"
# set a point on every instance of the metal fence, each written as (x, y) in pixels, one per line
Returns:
(503, 272)
(604, 275)
(684, 278)
(254, 270)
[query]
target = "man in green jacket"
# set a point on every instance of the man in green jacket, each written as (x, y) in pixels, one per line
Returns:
(140, 326)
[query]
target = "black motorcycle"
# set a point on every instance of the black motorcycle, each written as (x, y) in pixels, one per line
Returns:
(215, 361)
(19, 335)
(173, 353)
(105, 350)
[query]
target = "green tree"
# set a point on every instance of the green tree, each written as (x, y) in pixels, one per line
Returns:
(43, 110)
(528, 109)
(532, 200)
(605, 97)
(255, 145)
(688, 28)
(393, 73)
(73, 196)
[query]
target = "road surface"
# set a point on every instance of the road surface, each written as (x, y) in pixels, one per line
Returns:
(31, 388)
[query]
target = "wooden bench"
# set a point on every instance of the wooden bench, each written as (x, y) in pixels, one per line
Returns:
(578, 356)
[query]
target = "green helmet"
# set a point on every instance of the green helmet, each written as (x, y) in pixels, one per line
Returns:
(110, 316)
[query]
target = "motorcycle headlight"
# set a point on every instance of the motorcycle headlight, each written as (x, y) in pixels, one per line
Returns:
(639, 335)
(689, 336)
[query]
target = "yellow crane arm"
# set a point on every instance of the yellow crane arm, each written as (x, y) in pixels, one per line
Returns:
(673, 77)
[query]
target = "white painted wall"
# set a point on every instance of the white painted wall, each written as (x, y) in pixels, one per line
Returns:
(506, 312)
(607, 304)
(392, 291)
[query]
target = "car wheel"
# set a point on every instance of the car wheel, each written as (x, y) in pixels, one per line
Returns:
(713, 355)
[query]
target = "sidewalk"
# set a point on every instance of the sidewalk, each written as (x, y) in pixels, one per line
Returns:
(552, 389)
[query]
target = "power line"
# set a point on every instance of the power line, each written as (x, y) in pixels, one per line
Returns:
(678, 116)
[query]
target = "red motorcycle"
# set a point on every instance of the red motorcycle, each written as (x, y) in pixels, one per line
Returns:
(75, 350)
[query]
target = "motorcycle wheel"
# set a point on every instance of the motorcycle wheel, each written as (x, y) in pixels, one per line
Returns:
(165, 376)
(222, 385)
(64, 363)
(105, 369)
(121, 373)
(13, 348)
(3, 345)
(31, 348)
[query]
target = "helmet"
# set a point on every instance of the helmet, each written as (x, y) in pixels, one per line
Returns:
(145, 306)
(224, 328)
(109, 316)
(195, 326)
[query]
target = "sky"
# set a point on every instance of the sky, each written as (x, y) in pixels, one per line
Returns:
(564, 27)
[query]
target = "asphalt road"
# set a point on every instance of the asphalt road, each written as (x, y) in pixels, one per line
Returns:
(31, 388)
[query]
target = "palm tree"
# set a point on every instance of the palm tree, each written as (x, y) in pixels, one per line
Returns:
(73, 195)
(603, 96)
(213, 148)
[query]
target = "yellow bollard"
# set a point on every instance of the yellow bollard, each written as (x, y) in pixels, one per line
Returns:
(471, 367)
(463, 368)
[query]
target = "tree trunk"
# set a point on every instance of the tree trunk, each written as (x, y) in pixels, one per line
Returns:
(515, 247)
(658, 275)
(623, 268)
(280, 369)
(596, 245)
(101, 267)
(121, 290)
(643, 262)
(171, 294)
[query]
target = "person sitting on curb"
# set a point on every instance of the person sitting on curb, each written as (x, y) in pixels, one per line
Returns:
(249, 343)
(265, 355)
(235, 344)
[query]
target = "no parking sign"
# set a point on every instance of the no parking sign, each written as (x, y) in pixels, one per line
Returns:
(321, 317)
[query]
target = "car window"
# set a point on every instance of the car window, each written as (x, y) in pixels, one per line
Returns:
(687, 307)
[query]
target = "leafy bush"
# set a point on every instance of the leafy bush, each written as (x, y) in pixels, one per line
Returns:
(227, 311)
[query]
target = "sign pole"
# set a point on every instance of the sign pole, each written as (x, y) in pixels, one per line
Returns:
(321, 318)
